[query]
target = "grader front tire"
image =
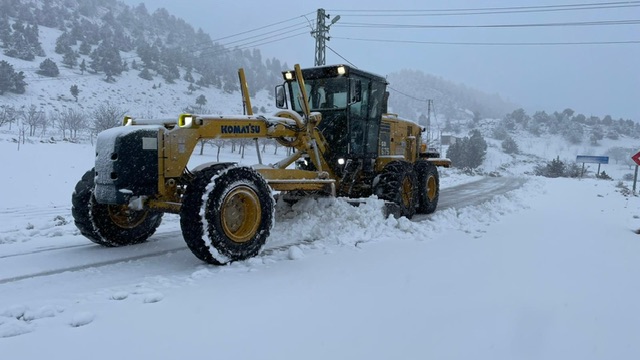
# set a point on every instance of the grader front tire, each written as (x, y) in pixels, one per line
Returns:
(396, 183)
(110, 225)
(227, 214)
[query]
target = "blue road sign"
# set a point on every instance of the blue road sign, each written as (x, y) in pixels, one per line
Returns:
(592, 159)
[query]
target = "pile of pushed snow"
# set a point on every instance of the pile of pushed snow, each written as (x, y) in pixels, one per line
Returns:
(325, 223)
(331, 221)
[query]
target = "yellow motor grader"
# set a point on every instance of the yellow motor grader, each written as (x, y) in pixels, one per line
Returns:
(334, 117)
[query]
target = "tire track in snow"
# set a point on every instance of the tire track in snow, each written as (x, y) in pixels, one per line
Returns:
(44, 250)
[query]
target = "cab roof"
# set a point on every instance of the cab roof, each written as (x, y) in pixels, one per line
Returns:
(319, 72)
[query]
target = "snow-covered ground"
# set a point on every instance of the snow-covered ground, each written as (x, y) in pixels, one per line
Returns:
(546, 271)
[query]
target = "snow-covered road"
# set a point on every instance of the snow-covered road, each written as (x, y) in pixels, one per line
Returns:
(67, 255)
(543, 271)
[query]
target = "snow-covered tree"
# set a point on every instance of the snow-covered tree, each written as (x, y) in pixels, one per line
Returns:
(33, 117)
(146, 74)
(510, 146)
(201, 100)
(7, 115)
(10, 80)
(85, 48)
(75, 91)
(70, 58)
(106, 116)
(48, 68)
(468, 152)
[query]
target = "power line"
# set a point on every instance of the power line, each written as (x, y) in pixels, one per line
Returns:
(492, 43)
(298, 26)
(490, 10)
(250, 45)
(263, 27)
(562, 24)
(465, 13)
(342, 57)
(264, 36)
(407, 95)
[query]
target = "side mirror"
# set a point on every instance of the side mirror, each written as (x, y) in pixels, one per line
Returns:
(281, 97)
(355, 91)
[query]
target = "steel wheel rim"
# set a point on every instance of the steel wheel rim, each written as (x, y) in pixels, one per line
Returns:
(240, 214)
(431, 188)
(124, 217)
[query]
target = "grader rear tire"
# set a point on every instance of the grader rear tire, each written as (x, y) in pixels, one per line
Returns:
(396, 183)
(428, 186)
(227, 214)
(110, 225)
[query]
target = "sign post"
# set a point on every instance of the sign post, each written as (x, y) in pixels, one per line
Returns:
(593, 159)
(636, 159)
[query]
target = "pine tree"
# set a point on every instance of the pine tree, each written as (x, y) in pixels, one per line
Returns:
(75, 91)
(145, 74)
(31, 34)
(63, 43)
(477, 149)
(596, 135)
(18, 46)
(10, 80)
(510, 146)
(85, 48)
(5, 31)
(468, 152)
(555, 168)
(95, 62)
(83, 67)
(112, 60)
(48, 68)
(6, 77)
(201, 100)
(188, 76)
(456, 153)
(170, 73)
(19, 85)
(70, 58)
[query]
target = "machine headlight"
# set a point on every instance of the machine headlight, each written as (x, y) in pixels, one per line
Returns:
(341, 70)
(341, 161)
(185, 121)
(288, 75)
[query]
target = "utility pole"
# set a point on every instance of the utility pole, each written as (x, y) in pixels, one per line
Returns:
(321, 35)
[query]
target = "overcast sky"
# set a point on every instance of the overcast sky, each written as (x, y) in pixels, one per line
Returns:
(591, 79)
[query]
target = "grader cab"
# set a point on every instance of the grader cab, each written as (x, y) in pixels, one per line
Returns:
(345, 145)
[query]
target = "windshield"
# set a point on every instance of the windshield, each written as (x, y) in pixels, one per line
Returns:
(323, 94)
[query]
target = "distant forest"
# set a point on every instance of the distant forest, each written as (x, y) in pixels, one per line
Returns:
(102, 29)
(451, 100)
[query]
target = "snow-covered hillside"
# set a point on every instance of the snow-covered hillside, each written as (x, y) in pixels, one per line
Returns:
(132, 94)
